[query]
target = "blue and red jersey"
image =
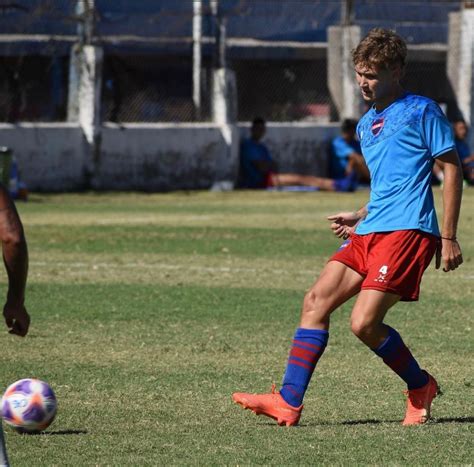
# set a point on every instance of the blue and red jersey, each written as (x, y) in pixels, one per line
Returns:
(399, 145)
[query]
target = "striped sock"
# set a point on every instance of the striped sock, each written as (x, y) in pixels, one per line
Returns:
(398, 357)
(308, 346)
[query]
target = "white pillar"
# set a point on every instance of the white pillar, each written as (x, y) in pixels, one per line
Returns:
(224, 114)
(460, 63)
(341, 79)
(84, 101)
(90, 91)
(85, 83)
(224, 96)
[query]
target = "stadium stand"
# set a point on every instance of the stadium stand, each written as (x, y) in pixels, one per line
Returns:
(258, 19)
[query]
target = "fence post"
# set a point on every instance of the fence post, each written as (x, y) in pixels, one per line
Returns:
(460, 62)
(197, 39)
(224, 99)
(341, 80)
(224, 88)
(85, 86)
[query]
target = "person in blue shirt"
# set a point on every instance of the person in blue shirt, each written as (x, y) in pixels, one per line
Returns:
(256, 163)
(259, 170)
(389, 242)
(464, 151)
(345, 154)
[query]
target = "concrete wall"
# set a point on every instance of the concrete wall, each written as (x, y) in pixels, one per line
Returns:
(165, 157)
(155, 157)
(50, 156)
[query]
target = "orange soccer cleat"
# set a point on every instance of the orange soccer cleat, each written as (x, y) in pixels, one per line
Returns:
(272, 405)
(419, 402)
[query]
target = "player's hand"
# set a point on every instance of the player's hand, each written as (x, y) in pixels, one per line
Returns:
(449, 254)
(344, 224)
(17, 318)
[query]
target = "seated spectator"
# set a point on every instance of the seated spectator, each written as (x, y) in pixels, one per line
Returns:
(259, 170)
(346, 155)
(464, 151)
(467, 158)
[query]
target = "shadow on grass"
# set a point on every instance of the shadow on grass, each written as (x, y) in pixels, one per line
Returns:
(453, 420)
(345, 422)
(432, 421)
(365, 422)
(379, 422)
(58, 433)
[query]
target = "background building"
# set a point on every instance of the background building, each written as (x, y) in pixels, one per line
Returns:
(154, 94)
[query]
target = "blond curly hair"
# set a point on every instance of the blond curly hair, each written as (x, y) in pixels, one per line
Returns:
(381, 48)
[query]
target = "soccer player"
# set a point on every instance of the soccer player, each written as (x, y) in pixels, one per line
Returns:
(389, 242)
(15, 258)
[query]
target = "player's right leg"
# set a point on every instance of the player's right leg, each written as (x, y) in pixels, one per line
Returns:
(395, 267)
(336, 284)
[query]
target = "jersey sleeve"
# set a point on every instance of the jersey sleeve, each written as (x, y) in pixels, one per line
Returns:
(436, 131)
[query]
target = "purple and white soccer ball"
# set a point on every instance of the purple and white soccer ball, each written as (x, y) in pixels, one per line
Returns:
(29, 405)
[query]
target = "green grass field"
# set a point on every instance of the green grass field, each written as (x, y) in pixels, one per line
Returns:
(148, 311)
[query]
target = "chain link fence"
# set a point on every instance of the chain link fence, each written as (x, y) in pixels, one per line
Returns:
(283, 90)
(277, 49)
(33, 88)
(429, 78)
(146, 88)
(34, 52)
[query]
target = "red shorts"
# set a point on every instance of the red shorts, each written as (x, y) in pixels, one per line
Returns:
(390, 261)
(269, 180)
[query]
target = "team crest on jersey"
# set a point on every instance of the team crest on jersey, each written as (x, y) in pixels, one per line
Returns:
(377, 126)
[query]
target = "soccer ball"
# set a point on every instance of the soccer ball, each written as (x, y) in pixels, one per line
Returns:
(29, 405)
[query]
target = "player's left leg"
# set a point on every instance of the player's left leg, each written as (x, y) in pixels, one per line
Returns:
(367, 324)
(336, 284)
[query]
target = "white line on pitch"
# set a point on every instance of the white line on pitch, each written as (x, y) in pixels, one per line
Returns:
(165, 266)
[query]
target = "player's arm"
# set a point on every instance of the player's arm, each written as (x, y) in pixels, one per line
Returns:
(450, 253)
(345, 223)
(15, 258)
